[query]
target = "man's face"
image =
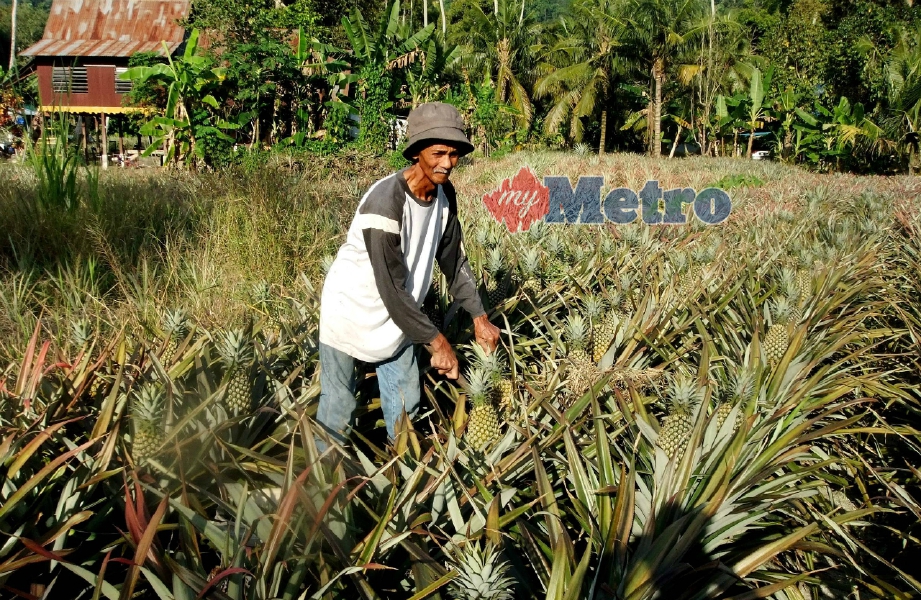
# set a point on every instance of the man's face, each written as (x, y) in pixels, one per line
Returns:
(437, 162)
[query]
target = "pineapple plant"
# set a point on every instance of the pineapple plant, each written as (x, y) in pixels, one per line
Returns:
(432, 310)
(791, 291)
(503, 390)
(176, 326)
(496, 288)
(556, 259)
(582, 369)
(778, 336)
(481, 574)
(81, 332)
(436, 280)
(483, 424)
(236, 351)
(146, 415)
(678, 423)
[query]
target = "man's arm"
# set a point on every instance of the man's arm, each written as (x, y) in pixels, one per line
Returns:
(461, 284)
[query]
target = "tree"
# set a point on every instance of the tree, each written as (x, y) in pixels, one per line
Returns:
(497, 45)
(663, 29)
(583, 66)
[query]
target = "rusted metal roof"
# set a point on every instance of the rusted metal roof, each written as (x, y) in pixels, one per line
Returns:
(111, 27)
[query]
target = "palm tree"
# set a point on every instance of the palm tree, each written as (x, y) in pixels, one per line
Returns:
(663, 29)
(583, 65)
(13, 34)
(903, 75)
(499, 48)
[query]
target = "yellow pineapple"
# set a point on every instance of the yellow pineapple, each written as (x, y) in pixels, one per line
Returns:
(236, 351)
(176, 326)
(676, 428)
(778, 336)
(146, 414)
(483, 423)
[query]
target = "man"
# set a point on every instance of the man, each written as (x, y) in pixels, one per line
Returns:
(370, 308)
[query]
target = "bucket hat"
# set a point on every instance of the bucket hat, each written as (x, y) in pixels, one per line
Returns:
(435, 122)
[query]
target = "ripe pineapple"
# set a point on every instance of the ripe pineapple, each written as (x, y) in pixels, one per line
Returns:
(778, 336)
(604, 332)
(530, 272)
(502, 387)
(481, 575)
(496, 288)
(236, 352)
(686, 281)
(582, 369)
(176, 326)
(676, 428)
(483, 424)
(146, 413)
(594, 307)
(742, 385)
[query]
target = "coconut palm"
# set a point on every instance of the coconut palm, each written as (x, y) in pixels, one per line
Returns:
(499, 47)
(582, 67)
(663, 30)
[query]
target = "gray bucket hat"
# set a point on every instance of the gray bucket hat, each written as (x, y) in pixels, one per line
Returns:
(432, 123)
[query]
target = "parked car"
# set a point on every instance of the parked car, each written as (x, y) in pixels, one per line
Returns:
(761, 155)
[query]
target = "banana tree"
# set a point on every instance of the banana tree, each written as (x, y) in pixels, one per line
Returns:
(186, 119)
(756, 112)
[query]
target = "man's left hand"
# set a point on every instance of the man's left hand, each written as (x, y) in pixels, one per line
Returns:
(487, 334)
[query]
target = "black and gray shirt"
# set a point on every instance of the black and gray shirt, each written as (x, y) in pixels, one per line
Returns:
(372, 297)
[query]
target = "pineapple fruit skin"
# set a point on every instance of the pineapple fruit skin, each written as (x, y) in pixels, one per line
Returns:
(675, 434)
(483, 426)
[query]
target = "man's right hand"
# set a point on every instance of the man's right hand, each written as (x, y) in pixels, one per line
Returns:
(443, 357)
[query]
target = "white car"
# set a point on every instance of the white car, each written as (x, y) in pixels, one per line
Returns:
(761, 155)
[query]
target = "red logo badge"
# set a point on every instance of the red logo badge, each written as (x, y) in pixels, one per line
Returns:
(519, 201)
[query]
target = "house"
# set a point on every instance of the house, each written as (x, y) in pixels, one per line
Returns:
(87, 43)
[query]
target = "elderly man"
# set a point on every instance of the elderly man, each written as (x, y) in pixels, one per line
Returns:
(370, 310)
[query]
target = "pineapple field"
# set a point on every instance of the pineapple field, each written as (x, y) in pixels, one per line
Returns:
(687, 412)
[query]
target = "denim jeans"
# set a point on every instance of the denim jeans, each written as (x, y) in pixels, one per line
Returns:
(397, 377)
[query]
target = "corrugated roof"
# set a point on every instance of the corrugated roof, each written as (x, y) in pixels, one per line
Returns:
(110, 27)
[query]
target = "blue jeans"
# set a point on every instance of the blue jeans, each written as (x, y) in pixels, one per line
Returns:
(397, 377)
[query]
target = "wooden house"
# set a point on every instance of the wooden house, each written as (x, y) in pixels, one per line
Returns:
(87, 43)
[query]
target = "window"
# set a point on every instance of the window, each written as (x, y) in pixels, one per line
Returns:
(122, 86)
(69, 80)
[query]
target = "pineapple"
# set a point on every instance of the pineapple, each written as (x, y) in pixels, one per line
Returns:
(778, 336)
(483, 424)
(594, 307)
(436, 280)
(176, 326)
(530, 272)
(556, 259)
(432, 310)
(582, 370)
(261, 294)
(146, 413)
(604, 332)
(237, 354)
(481, 575)
(742, 385)
(792, 291)
(676, 428)
(496, 288)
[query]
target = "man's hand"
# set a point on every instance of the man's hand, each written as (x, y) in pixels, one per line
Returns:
(487, 334)
(443, 357)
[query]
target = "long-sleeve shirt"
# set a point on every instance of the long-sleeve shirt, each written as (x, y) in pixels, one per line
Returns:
(372, 297)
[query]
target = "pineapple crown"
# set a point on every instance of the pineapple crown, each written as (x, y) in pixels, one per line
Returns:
(482, 236)
(80, 332)
(481, 574)
(742, 383)
(576, 331)
(680, 262)
(781, 310)
(235, 348)
(495, 262)
(148, 402)
(555, 246)
(684, 394)
(530, 262)
(594, 306)
(479, 385)
(787, 279)
(261, 292)
(703, 255)
(607, 246)
(176, 323)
